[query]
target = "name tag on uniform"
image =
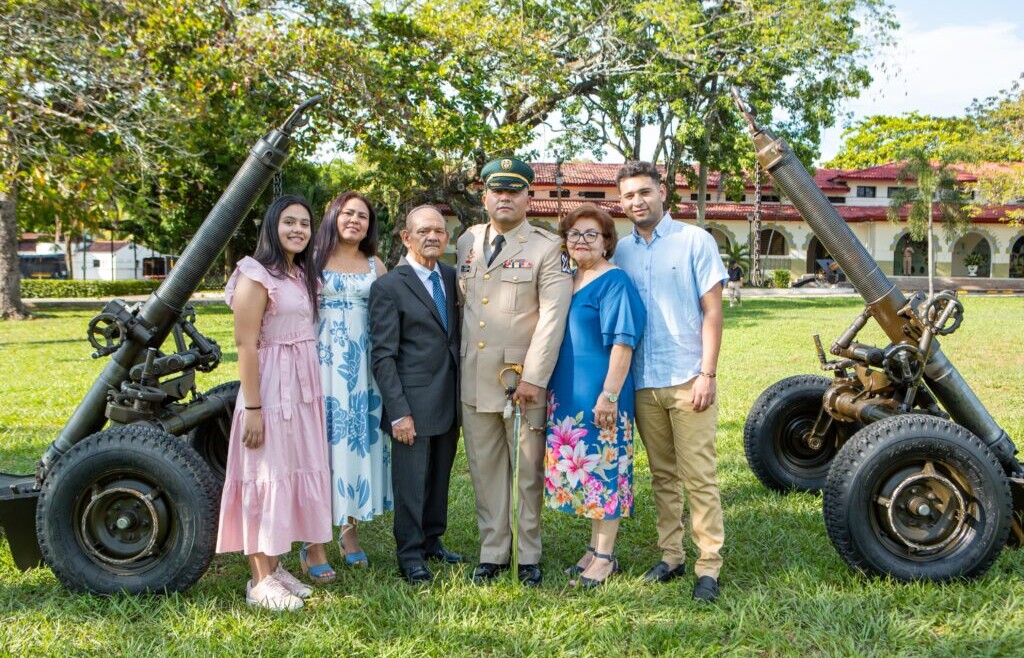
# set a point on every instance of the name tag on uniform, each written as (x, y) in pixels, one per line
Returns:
(517, 264)
(465, 268)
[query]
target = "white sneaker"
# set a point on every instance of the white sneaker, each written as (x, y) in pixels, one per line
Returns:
(291, 583)
(272, 595)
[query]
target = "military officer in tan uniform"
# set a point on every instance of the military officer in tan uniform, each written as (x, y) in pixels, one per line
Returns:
(516, 289)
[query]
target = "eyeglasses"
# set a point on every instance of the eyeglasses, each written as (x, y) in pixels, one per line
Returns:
(589, 237)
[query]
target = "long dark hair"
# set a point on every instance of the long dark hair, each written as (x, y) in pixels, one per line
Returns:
(327, 237)
(270, 254)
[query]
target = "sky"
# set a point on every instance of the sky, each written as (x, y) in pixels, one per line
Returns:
(947, 53)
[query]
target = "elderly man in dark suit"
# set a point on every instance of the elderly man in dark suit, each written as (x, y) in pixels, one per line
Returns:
(414, 336)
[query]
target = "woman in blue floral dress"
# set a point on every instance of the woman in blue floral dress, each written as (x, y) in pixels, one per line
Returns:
(345, 248)
(589, 454)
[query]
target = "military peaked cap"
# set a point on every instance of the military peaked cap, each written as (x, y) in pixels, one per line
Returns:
(506, 174)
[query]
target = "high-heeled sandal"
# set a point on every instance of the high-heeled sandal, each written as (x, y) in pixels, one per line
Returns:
(358, 559)
(318, 573)
(590, 583)
(576, 569)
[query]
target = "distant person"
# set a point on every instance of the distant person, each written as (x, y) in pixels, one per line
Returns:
(735, 283)
(679, 273)
(414, 325)
(346, 261)
(908, 260)
(277, 488)
(589, 460)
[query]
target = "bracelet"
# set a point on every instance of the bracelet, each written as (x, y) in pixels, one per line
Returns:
(709, 375)
(259, 406)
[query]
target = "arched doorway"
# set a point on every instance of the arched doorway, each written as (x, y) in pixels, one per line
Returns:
(815, 252)
(918, 257)
(721, 239)
(1017, 259)
(964, 251)
(774, 250)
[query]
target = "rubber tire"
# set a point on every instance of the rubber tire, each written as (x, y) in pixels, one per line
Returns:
(784, 402)
(207, 439)
(878, 450)
(191, 493)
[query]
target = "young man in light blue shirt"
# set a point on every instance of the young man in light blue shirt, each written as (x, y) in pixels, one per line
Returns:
(679, 273)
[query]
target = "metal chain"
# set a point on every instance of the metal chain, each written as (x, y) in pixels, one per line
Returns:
(277, 185)
(757, 276)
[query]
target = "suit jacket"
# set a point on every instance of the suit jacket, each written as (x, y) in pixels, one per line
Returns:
(514, 310)
(414, 360)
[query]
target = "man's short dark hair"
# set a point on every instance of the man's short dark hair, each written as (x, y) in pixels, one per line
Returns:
(638, 168)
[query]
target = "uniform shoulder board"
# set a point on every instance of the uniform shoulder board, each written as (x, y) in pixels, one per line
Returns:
(554, 237)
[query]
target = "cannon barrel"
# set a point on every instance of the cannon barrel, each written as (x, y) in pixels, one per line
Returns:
(157, 316)
(882, 297)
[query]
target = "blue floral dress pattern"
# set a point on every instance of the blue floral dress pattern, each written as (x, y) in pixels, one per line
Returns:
(360, 453)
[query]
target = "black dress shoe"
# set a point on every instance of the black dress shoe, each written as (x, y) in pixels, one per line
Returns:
(442, 554)
(662, 573)
(530, 575)
(706, 589)
(487, 571)
(418, 575)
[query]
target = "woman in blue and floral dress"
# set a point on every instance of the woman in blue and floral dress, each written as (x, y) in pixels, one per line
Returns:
(589, 452)
(345, 250)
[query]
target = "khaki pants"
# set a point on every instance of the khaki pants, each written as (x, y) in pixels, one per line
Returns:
(680, 446)
(734, 292)
(488, 440)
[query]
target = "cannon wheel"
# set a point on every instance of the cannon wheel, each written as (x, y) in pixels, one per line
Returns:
(773, 436)
(128, 509)
(916, 497)
(210, 438)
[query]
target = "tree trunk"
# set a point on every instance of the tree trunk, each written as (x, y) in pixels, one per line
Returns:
(702, 193)
(11, 307)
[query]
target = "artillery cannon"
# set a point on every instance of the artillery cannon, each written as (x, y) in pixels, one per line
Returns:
(126, 499)
(919, 482)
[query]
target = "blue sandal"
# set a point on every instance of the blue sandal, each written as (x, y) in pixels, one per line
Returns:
(352, 559)
(318, 573)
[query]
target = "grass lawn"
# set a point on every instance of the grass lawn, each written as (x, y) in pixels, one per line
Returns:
(785, 591)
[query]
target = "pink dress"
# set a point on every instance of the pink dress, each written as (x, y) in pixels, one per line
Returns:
(280, 492)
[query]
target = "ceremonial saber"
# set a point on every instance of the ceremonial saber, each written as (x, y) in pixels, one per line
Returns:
(515, 411)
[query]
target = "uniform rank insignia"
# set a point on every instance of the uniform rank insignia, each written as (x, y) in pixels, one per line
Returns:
(568, 264)
(465, 267)
(517, 264)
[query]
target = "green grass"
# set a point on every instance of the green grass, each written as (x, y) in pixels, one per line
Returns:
(785, 591)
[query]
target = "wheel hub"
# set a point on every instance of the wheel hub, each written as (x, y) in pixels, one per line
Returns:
(924, 510)
(123, 522)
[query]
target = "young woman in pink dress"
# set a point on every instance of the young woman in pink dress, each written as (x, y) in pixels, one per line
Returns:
(277, 489)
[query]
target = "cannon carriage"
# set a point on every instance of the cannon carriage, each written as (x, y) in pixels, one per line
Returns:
(126, 499)
(918, 480)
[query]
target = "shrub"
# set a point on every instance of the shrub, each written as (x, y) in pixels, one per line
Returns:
(36, 288)
(781, 278)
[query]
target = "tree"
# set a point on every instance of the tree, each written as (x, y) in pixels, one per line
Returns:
(879, 139)
(936, 185)
(687, 56)
(81, 115)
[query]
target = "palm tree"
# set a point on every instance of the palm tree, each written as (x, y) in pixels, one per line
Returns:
(738, 252)
(936, 184)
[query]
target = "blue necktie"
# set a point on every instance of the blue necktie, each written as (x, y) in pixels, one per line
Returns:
(442, 310)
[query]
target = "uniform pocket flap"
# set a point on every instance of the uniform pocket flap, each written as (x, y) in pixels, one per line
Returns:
(515, 355)
(517, 274)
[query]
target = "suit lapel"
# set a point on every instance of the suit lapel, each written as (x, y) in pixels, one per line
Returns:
(420, 291)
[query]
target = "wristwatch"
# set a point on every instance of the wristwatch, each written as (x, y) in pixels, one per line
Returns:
(612, 397)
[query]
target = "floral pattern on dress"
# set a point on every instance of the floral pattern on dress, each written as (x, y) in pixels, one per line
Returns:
(587, 470)
(360, 453)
